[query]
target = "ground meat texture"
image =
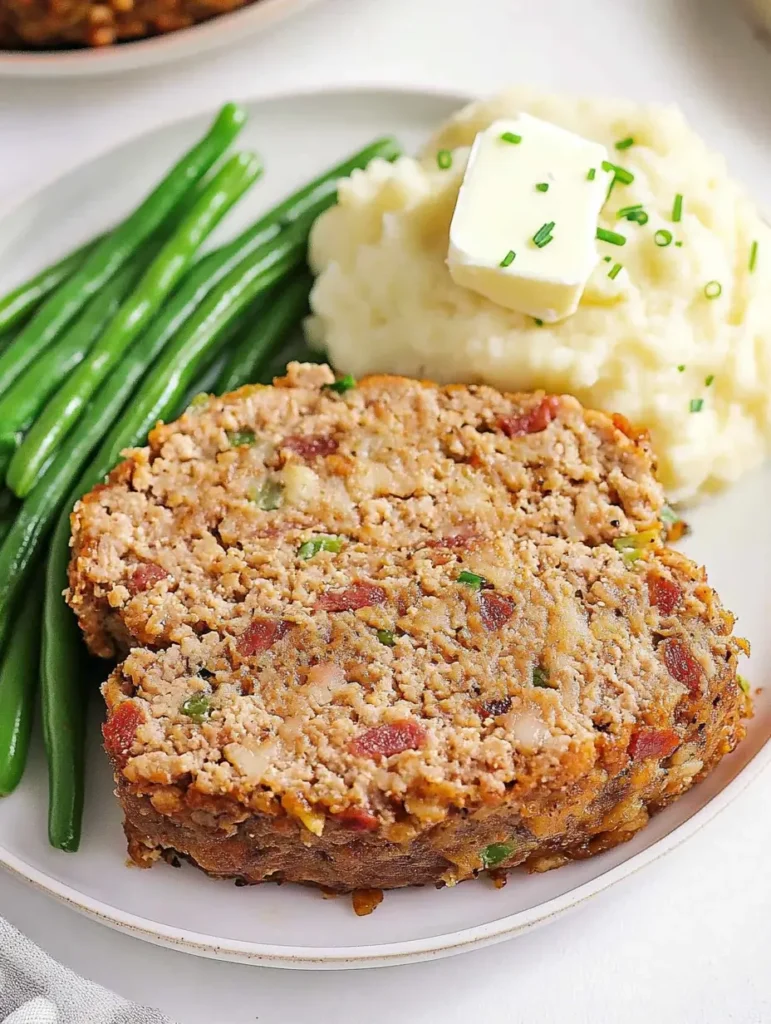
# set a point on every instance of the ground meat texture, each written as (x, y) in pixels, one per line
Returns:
(364, 719)
(45, 23)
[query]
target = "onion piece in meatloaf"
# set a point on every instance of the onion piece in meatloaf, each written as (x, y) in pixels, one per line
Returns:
(396, 635)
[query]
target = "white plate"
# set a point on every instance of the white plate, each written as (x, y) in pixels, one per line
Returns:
(292, 926)
(161, 49)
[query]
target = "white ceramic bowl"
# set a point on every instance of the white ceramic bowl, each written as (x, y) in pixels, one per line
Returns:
(162, 49)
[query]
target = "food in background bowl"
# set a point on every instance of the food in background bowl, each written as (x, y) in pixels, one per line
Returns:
(389, 634)
(673, 329)
(54, 23)
(760, 13)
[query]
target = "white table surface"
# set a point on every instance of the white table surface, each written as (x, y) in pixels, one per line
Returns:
(686, 940)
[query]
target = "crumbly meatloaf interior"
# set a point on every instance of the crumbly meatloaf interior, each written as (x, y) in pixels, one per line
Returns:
(183, 539)
(360, 713)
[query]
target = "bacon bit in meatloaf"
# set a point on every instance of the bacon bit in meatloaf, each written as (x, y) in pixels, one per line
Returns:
(664, 593)
(464, 537)
(366, 900)
(638, 435)
(260, 635)
(387, 740)
(495, 610)
(358, 819)
(144, 577)
(532, 422)
(682, 665)
(656, 743)
(360, 595)
(310, 446)
(120, 730)
(446, 739)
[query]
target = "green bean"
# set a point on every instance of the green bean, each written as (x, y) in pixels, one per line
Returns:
(64, 698)
(27, 395)
(321, 193)
(263, 337)
(9, 506)
(304, 205)
(114, 249)
(166, 270)
(200, 336)
(18, 683)
(210, 371)
(9, 442)
(25, 297)
(158, 395)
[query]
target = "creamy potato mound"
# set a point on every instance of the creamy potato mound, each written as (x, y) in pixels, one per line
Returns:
(648, 343)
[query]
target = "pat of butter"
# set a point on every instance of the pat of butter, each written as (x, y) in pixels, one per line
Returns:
(511, 191)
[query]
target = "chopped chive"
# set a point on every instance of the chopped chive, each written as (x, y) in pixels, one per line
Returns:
(537, 322)
(743, 682)
(196, 707)
(312, 547)
(607, 259)
(444, 159)
(495, 854)
(543, 235)
(471, 580)
(696, 404)
(386, 637)
(668, 515)
(713, 289)
(508, 259)
(592, 174)
(678, 245)
(512, 138)
(603, 235)
(681, 367)
(240, 438)
(753, 256)
(662, 238)
(542, 186)
(632, 546)
(346, 383)
(541, 678)
(625, 143)
(619, 173)
(708, 380)
(635, 214)
(615, 271)
(677, 209)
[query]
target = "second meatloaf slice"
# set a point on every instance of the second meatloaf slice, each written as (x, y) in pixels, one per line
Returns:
(200, 531)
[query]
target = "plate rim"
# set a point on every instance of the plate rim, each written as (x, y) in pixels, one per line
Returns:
(375, 954)
(149, 50)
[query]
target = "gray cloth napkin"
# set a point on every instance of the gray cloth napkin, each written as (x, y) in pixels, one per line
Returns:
(34, 989)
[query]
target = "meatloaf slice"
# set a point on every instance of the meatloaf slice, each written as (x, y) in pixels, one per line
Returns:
(436, 732)
(396, 634)
(200, 531)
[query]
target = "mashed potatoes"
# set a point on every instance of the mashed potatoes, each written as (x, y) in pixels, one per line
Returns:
(648, 342)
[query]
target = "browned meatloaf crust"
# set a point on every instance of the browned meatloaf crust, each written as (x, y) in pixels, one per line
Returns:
(50, 23)
(467, 673)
